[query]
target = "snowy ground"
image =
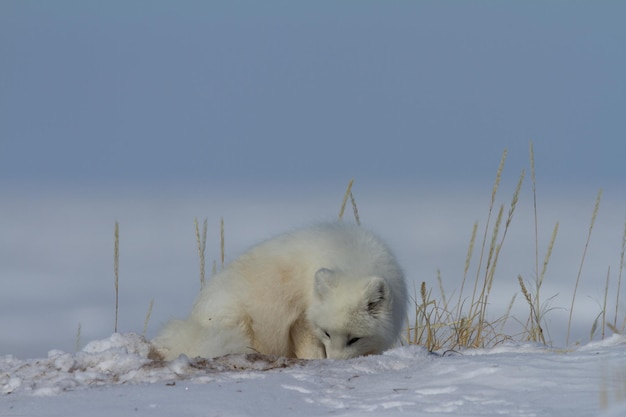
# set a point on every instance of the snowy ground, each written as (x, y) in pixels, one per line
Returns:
(114, 376)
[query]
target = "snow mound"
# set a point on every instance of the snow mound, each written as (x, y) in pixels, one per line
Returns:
(120, 359)
(512, 380)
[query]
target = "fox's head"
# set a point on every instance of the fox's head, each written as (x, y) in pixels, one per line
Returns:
(353, 316)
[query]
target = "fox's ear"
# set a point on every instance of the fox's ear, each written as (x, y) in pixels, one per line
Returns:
(377, 296)
(325, 280)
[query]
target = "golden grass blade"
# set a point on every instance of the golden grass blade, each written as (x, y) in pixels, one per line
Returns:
(116, 265)
(78, 335)
(534, 330)
(619, 277)
(582, 261)
(345, 199)
(512, 207)
(147, 320)
(222, 244)
(494, 190)
(442, 290)
(493, 250)
(525, 291)
(468, 258)
(534, 184)
(515, 199)
(546, 260)
(201, 243)
(606, 294)
(355, 210)
(496, 185)
(494, 254)
(539, 278)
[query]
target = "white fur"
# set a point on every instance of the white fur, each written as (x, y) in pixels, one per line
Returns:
(329, 291)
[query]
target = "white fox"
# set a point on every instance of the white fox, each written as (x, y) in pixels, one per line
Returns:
(329, 291)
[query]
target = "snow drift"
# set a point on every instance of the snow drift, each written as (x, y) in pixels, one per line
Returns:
(117, 375)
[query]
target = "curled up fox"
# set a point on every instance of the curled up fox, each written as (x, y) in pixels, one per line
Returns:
(333, 290)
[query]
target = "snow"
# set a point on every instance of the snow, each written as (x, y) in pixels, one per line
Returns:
(115, 376)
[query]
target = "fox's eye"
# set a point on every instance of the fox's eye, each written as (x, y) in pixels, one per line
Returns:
(327, 334)
(353, 340)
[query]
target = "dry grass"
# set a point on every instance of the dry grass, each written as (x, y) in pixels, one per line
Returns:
(347, 194)
(355, 210)
(201, 243)
(619, 285)
(222, 247)
(533, 327)
(440, 326)
(77, 342)
(116, 269)
(466, 323)
(582, 262)
(147, 320)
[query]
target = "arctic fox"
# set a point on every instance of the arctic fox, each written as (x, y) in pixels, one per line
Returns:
(329, 291)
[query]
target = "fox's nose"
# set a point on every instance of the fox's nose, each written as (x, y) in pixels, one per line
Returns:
(338, 354)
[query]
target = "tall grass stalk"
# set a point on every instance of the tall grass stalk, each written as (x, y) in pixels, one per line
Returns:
(619, 277)
(427, 323)
(116, 268)
(441, 290)
(355, 210)
(494, 190)
(201, 243)
(147, 320)
(529, 300)
(533, 326)
(468, 259)
(534, 184)
(582, 261)
(546, 260)
(478, 308)
(78, 335)
(606, 294)
(491, 267)
(536, 221)
(347, 195)
(429, 320)
(222, 244)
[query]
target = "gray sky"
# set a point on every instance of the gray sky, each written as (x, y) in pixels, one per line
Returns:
(110, 93)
